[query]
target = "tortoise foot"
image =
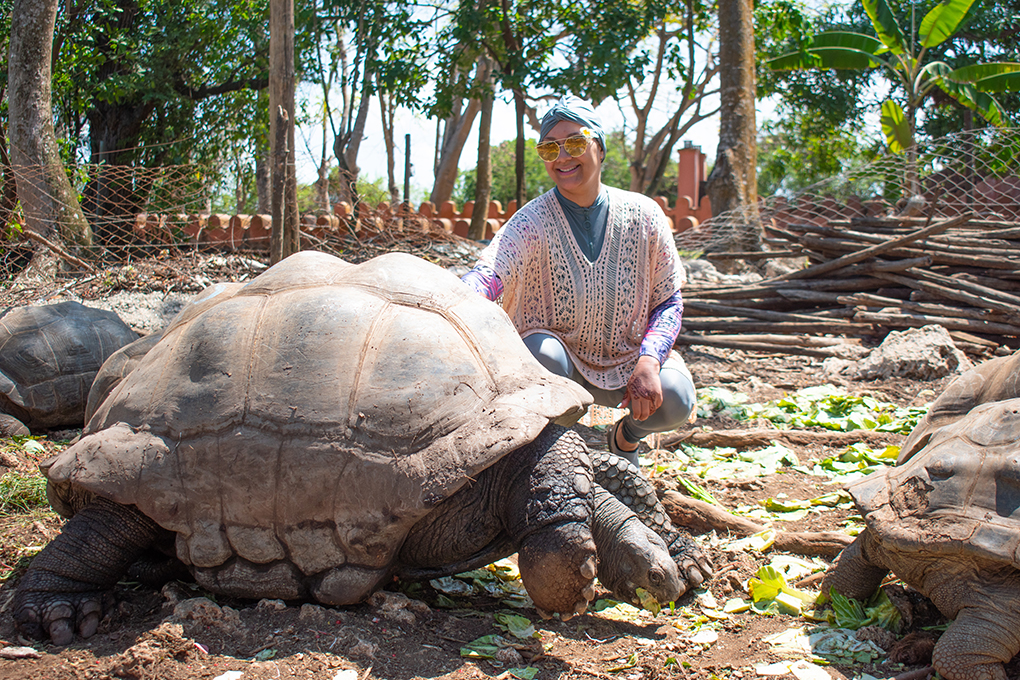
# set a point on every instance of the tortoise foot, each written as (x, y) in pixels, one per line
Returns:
(695, 566)
(59, 616)
(558, 567)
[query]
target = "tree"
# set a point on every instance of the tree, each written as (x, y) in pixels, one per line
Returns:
(457, 105)
(906, 61)
(732, 184)
(798, 149)
(483, 177)
(373, 46)
(49, 202)
(652, 152)
(587, 48)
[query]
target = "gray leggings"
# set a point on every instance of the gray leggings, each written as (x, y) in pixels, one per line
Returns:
(677, 389)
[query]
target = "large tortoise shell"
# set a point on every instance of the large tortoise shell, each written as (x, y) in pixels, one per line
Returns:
(313, 415)
(993, 380)
(958, 495)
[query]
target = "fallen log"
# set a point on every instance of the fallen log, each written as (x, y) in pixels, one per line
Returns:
(749, 439)
(699, 517)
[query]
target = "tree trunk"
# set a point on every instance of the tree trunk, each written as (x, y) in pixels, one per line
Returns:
(262, 183)
(521, 188)
(284, 240)
(483, 176)
(387, 110)
(458, 126)
(49, 202)
(732, 184)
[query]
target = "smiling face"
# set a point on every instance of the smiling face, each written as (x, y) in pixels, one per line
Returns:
(578, 179)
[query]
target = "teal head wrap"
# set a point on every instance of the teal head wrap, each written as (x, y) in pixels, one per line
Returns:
(577, 110)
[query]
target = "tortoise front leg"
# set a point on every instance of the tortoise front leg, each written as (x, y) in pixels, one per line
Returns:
(854, 574)
(66, 587)
(624, 480)
(985, 634)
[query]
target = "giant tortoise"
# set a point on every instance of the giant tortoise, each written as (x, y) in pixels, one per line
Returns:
(947, 522)
(328, 427)
(993, 380)
(49, 355)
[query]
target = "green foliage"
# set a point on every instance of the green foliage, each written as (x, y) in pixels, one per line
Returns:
(822, 406)
(797, 150)
(906, 60)
(852, 614)
(166, 82)
(21, 493)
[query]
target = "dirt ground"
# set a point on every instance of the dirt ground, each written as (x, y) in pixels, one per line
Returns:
(416, 631)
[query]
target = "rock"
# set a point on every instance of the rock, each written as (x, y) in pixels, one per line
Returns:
(200, 614)
(313, 614)
(398, 607)
(19, 653)
(364, 648)
(923, 353)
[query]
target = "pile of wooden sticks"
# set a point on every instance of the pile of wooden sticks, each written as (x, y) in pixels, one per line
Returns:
(865, 277)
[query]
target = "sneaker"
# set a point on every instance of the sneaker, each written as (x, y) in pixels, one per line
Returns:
(631, 456)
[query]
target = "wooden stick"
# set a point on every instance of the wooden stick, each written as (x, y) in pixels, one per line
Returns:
(754, 255)
(969, 286)
(60, 252)
(947, 293)
(919, 320)
(864, 254)
(750, 439)
(762, 289)
(710, 341)
(699, 517)
(821, 327)
(763, 314)
(778, 339)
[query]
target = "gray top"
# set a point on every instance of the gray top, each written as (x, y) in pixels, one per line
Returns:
(587, 224)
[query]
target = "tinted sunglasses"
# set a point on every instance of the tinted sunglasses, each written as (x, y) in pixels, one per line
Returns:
(574, 145)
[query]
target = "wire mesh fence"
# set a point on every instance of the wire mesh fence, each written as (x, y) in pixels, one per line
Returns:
(975, 172)
(134, 212)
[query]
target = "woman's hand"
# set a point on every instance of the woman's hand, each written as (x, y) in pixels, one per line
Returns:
(644, 391)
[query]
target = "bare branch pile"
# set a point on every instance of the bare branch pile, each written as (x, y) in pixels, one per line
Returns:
(868, 276)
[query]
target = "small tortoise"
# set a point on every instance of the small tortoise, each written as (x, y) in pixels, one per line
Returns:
(49, 355)
(947, 522)
(328, 427)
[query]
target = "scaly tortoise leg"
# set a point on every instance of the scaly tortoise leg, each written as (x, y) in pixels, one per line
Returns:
(853, 573)
(67, 585)
(624, 480)
(985, 633)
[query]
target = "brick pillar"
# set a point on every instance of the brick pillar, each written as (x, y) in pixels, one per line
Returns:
(690, 173)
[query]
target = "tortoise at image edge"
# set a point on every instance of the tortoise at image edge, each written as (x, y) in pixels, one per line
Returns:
(419, 430)
(947, 522)
(49, 355)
